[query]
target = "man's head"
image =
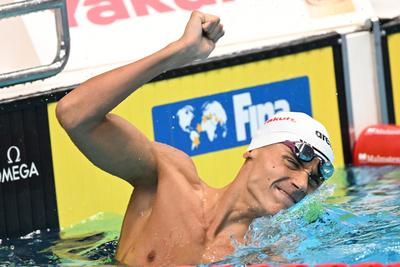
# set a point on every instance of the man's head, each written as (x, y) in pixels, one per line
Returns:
(291, 155)
(294, 126)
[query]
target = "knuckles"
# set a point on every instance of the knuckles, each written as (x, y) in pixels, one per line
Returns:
(205, 17)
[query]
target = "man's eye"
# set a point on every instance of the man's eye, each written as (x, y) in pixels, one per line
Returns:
(293, 163)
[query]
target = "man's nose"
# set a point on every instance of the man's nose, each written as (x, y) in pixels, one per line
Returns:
(300, 182)
(301, 179)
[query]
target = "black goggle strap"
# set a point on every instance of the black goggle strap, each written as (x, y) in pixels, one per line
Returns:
(321, 155)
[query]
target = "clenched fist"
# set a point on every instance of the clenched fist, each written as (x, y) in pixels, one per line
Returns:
(201, 34)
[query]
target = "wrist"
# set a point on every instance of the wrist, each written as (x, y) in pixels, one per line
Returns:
(182, 53)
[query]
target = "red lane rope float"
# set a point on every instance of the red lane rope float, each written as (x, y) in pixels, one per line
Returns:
(378, 145)
(332, 265)
(368, 264)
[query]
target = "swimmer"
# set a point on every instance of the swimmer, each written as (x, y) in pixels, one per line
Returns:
(173, 218)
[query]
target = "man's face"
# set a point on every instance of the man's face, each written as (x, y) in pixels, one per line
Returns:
(278, 179)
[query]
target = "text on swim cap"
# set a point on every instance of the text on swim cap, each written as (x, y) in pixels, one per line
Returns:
(323, 137)
(280, 119)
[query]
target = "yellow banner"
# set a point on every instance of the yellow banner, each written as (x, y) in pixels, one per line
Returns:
(394, 55)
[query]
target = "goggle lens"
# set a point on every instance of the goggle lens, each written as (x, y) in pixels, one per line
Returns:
(305, 152)
(326, 169)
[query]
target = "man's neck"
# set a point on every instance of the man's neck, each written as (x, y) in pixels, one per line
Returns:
(231, 207)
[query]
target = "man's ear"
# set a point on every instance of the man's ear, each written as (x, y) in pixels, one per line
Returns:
(247, 154)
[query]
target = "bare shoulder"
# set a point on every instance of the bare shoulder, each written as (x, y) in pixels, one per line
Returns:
(173, 162)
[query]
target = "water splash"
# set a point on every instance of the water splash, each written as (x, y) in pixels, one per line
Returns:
(365, 227)
(268, 237)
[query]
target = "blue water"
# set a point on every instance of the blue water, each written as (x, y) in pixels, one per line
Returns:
(353, 218)
(89, 243)
(351, 222)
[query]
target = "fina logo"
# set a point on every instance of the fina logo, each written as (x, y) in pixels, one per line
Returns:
(213, 116)
(227, 120)
(17, 171)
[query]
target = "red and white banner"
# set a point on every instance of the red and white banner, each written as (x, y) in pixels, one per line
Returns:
(111, 31)
(378, 145)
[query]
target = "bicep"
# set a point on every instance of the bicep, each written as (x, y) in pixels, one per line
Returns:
(117, 147)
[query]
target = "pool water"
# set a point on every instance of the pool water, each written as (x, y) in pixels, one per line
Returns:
(351, 222)
(91, 242)
(353, 218)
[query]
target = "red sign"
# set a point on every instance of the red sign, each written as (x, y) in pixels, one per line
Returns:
(103, 12)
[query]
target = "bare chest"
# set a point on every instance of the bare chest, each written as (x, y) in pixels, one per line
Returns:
(171, 239)
(172, 230)
(162, 242)
(176, 247)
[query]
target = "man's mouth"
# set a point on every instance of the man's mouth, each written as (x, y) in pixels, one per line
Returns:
(286, 196)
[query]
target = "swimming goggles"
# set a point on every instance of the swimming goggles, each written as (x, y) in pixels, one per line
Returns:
(306, 153)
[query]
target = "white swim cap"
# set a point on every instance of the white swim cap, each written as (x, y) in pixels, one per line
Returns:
(294, 126)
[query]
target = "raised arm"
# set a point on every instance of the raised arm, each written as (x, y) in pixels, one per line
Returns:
(109, 141)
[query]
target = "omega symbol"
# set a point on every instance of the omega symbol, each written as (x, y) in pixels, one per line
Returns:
(17, 154)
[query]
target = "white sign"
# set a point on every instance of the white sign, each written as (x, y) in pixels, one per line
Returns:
(113, 31)
(17, 170)
(386, 8)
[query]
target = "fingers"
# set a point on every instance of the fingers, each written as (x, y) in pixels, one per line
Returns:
(218, 36)
(204, 17)
(211, 25)
(207, 26)
(217, 33)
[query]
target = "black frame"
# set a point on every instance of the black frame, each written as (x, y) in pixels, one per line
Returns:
(389, 28)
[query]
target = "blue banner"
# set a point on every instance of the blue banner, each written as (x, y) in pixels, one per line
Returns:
(227, 120)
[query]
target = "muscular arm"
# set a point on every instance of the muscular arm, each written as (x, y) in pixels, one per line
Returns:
(109, 141)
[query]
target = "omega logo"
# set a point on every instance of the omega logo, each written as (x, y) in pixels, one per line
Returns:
(17, 170)
(17, 156)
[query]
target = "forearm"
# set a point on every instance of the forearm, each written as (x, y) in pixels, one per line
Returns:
(87, 105)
